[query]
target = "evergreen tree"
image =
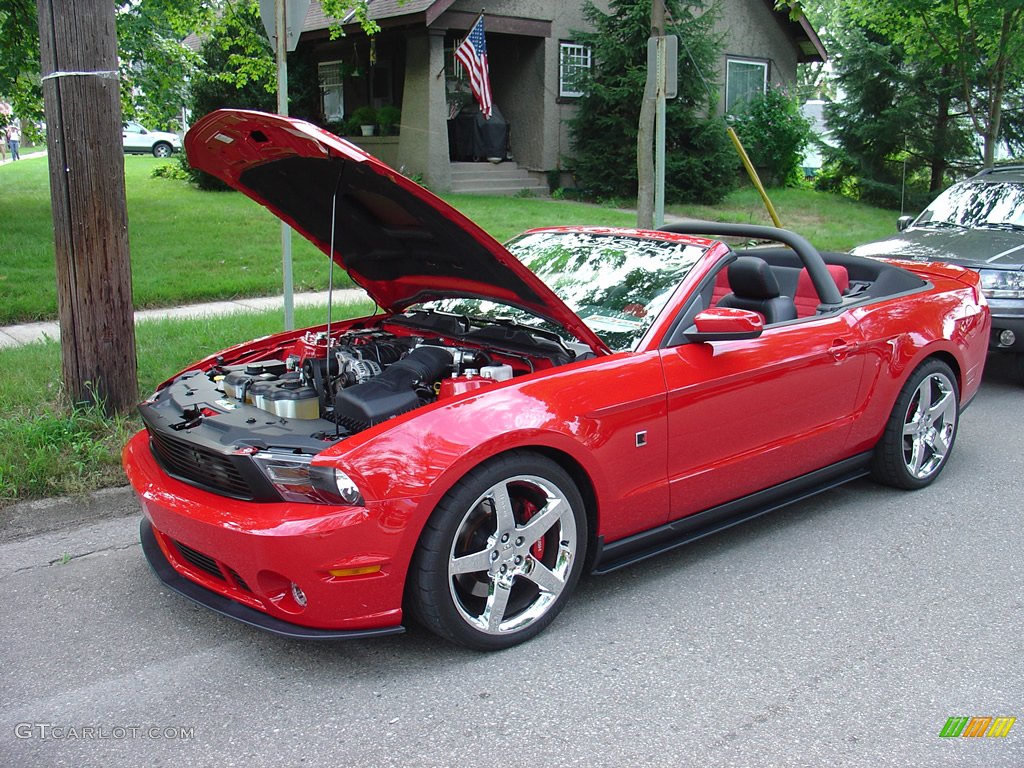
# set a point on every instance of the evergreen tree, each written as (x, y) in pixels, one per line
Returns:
(897, 127)
(700, 165)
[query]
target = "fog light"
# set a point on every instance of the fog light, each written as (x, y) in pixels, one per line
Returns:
(298, 595)
(1006, 338)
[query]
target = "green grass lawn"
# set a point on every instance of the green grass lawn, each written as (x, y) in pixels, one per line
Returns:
(830, 222)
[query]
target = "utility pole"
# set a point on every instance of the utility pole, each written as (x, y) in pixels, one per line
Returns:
(645, 136)
(81, 93)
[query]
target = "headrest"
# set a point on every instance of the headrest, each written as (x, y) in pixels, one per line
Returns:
(752, 278)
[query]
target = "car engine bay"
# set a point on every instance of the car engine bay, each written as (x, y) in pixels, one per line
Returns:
(305, 394)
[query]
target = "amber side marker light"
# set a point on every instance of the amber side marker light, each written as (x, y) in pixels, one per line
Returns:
(365, 570)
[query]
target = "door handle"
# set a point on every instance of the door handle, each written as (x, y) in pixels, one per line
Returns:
(839, 349)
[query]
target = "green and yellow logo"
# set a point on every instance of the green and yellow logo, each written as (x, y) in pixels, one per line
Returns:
(976, 727)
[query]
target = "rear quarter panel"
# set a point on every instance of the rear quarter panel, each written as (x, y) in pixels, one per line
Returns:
(951, 320)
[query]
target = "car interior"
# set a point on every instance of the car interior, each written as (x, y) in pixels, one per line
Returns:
(773, 282)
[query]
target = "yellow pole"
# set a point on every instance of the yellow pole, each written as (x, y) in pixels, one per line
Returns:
(753, 176)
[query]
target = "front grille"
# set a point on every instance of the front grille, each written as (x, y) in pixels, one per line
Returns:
(239, 580)
(199, 465)
(199, 560)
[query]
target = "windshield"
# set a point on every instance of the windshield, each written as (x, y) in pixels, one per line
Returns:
(616, 283)
(976, 204)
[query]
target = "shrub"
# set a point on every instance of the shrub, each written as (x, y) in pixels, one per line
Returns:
(365, 115)
(388, 119)
(775, 134)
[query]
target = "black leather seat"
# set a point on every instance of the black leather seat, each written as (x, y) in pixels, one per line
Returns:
(754, 287)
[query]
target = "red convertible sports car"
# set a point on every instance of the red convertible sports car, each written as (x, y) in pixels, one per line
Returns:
(576, 400)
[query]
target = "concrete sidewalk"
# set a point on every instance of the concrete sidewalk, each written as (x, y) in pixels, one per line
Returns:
(17, 335)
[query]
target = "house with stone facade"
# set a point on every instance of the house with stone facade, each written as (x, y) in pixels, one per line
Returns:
(533, 60)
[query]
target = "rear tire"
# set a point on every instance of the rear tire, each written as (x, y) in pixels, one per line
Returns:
(919, 435)
(500, 554)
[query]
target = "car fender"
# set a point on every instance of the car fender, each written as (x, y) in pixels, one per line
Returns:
(575, 411)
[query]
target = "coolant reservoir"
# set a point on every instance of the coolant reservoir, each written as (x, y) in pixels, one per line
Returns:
(460, 385)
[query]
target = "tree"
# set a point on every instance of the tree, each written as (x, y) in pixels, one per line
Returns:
(155, 67)
(898, 120)
(979, 43)
(700, 164)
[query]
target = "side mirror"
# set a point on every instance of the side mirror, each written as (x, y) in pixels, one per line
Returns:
(724, 324)
(903, 222)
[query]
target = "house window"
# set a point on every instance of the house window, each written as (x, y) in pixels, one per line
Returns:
(573, 66)
(744, 80)
(332, 94)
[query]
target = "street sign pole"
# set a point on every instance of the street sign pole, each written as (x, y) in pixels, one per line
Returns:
(663, 82)
(659, 136)
(282, 109)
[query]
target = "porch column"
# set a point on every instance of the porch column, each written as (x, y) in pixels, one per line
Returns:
(423, 142)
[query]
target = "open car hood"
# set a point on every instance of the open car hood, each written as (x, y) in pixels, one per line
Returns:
(396, 240)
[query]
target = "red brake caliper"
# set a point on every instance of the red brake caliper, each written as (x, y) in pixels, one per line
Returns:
(529, 510)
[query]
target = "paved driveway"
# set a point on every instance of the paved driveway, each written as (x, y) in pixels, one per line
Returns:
(841, 632)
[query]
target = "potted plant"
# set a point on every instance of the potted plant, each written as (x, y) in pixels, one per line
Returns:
(364, 119)
(388, 119)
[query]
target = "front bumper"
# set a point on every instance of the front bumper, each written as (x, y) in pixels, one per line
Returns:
(1007, 315)
(241, 558)
(233, 610)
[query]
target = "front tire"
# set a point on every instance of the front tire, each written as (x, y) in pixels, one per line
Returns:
(501, 553)
(919, 435)
(162, 149)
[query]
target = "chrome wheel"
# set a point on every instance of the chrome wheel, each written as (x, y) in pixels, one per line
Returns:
(929, 426)
(512, 554)
(500, 554)
(921, 429)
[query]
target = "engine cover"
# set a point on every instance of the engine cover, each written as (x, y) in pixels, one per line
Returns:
(393, 391)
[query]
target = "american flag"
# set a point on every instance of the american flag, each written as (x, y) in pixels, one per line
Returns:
(472, 52)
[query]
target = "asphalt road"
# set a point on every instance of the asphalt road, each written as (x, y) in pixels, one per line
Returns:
(841, 632)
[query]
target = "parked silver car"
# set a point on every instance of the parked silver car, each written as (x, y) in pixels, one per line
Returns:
(977, 223)
(142, 141)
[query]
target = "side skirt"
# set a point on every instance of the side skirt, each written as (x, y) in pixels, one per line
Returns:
(640, 546)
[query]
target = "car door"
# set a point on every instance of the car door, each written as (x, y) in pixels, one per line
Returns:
(134, 137)
(746, 415)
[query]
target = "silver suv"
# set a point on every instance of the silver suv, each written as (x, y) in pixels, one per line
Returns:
(977, 223)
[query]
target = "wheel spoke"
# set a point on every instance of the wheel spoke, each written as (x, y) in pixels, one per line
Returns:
(917, 455)
(474, 563)
(505, 517)
(924, 396)
(941, 442)
(944, 409)
(541, 522)
(545, 578)
(497, 602)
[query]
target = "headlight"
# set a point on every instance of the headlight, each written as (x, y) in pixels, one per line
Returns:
(297, 479)
(1002, 284)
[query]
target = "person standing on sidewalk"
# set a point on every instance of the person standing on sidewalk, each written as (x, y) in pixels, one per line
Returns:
(14, 139)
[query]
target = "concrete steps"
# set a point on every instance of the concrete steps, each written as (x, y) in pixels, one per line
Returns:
(505, 178)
